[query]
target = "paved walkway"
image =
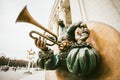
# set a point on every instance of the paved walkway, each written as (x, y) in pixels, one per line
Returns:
(37, 76)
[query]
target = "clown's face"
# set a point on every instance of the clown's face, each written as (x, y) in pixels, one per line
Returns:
(81, 34)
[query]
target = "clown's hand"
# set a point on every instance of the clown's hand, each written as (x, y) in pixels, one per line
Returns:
(41, 44)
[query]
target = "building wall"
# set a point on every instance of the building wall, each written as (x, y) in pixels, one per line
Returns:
(107, 11)
(60, 11)
(70, 11)
(103, 11)
(75, 11)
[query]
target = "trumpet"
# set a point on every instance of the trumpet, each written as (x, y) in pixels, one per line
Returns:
(25, 16)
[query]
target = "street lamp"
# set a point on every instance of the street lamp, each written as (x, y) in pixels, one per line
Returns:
(30, 56)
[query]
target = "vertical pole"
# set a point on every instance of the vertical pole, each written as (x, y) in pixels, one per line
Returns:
(32, 64)
(8, 62)
(82, 6)
(28, 66)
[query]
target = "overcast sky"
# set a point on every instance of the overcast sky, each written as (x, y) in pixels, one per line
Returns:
(14, 37)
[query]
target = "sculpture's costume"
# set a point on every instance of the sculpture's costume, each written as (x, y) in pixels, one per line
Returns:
(78, 58)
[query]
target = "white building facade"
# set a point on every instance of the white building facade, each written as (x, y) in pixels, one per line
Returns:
(70, 11)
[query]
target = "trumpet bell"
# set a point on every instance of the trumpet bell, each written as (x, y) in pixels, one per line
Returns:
(22, 16)
(25, 16)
